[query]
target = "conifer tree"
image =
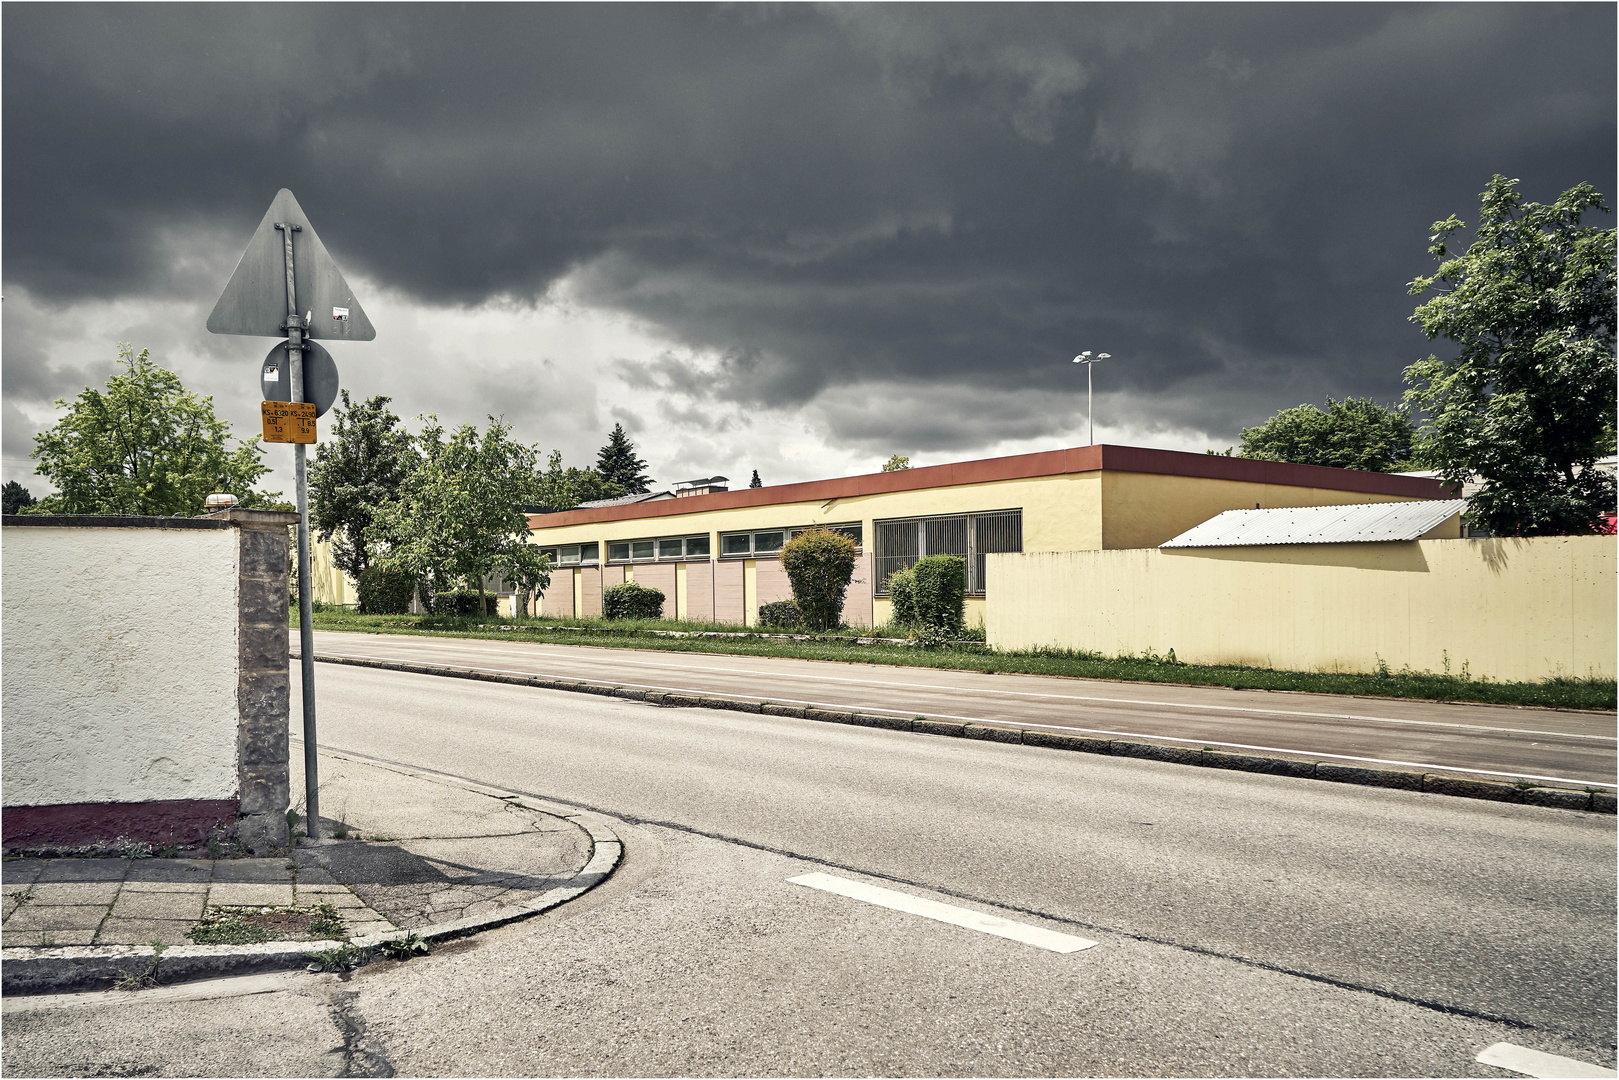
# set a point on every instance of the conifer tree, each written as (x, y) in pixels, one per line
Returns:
(616, 463)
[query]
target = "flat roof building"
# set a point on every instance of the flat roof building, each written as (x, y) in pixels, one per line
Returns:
(716, 555)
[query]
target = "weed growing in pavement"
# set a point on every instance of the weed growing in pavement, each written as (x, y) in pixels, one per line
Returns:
(342, 958)
(223, 846)
(327, 925)
(406, 947)
(251, 926)
(137, 849)
(222, 927)
(21, 896)
(140, 980)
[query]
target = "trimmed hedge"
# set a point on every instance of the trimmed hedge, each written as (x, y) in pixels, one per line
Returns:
(383, 591)
(783, 614)
(902, 593)
(820, 565)
(941, 592)
(632, 601)
(462, 602)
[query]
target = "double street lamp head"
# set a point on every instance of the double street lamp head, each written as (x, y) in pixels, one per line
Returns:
(1088, 360)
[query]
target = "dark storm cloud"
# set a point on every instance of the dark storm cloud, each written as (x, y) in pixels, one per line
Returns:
(956, 199)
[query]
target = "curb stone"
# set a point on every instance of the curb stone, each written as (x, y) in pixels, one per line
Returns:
(1300, 767)
(38, 970)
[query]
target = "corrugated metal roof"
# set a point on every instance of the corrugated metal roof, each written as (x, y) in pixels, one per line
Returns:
(1353, 524)
(625, 500)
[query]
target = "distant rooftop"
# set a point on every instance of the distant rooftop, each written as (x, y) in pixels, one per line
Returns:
(1352, 524)
(626, 500)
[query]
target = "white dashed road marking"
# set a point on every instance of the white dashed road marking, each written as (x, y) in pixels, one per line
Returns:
(1521, 1059)
(946, 913)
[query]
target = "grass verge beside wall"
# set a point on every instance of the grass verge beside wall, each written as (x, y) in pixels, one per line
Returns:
(1552, 694)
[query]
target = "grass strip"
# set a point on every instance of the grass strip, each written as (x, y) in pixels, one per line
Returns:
(1597, 694)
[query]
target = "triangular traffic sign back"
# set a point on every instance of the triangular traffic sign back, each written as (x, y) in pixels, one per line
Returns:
(255, 301)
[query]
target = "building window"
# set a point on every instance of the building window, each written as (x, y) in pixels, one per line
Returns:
(661, 550)
(768, 542)
(683, 547)
(902, 542)
(571, 554)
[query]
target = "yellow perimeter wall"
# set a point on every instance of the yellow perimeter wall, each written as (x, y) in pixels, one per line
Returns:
(1509, 609)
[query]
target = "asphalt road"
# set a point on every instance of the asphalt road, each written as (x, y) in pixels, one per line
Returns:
(1576, 748)
(1245, 924)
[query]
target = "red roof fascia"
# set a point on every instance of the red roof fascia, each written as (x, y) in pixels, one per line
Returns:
(1079, 459)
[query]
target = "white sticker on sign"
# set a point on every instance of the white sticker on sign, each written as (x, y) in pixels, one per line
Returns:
(272, 374)
(341, 314)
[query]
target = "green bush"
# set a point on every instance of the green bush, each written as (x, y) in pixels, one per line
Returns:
(385, 591)
(782, 615)
(941, 592)
(463, 602)
(820, 564)
(632, 601)
(902, 592)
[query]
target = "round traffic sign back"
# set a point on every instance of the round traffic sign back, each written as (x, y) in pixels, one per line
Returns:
(320, 376)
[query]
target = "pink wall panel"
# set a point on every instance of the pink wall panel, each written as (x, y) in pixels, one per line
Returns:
(857, 601)
(659, 576)
(590, 596)
(728, 591)
(700, 591)
(557, 601)
(612, 575)
(772, 582)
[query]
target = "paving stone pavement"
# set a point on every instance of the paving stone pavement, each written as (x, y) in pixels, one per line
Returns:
(124, 901)
(414, 852)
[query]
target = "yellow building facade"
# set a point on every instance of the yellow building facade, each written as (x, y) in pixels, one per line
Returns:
(714, 555)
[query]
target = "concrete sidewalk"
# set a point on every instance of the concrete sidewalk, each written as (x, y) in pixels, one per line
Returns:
(406, 852)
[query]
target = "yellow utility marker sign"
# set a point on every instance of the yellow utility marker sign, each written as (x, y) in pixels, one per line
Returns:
(289, 421)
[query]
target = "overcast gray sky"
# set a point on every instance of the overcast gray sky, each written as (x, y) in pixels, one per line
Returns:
(795, 238)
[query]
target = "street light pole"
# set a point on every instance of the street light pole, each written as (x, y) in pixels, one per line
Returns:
(1090, 414)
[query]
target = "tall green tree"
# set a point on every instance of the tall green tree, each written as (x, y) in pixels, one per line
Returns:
(617, 464)
(16, 497)
(1527, 403)
(361, 466)
(565, 488)
(1351, 434)
(459, 517)
(144, 445)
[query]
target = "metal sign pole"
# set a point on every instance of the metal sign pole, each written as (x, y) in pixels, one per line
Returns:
(306, 629)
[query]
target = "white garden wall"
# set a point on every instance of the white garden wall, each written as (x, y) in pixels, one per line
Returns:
(120, 665)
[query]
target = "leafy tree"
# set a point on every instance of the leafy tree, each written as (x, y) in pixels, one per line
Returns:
(459, 516)
(360, 468)
(617, 464)
(146, 446)
(819, 564)
(756, 482)
(15, 497)
(897, 463)
(565, 488)
(1527, 404)
(1350, 434)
